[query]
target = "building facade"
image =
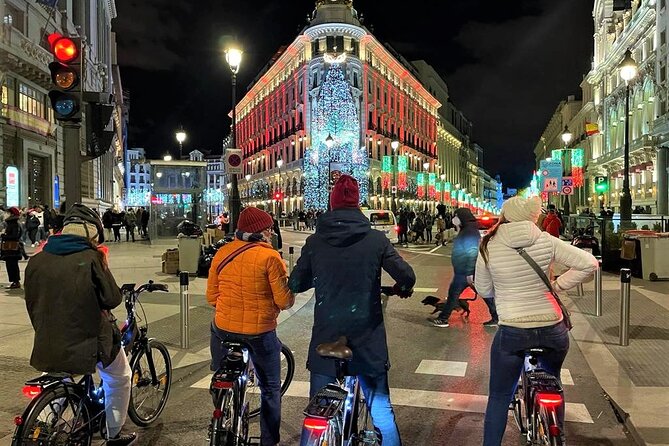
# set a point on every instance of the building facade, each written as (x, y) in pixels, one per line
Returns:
(31, 143)
(287, 115)
(137, 178)
(640, 26)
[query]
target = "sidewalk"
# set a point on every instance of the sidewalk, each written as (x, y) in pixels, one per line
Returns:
(635, 377)
(130, 263)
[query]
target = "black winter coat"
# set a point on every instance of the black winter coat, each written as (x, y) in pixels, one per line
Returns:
(466, 244)
(12, 234)
(69, 298)
(343, 261)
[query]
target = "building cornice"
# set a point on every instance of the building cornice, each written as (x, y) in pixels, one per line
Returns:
(325, 29)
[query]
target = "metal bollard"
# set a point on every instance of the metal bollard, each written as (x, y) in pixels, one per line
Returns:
(291, 259)
(625, 285)
(598, 290)
(185, 309)
(579, 290)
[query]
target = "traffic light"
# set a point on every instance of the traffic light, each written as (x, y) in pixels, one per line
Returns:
(278, 196)
(601, 185)
(66, 77)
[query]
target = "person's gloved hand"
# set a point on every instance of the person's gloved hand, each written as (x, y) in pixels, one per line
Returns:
(403, 294)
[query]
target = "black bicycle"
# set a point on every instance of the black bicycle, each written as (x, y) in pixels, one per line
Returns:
(538, 403)
(236, 394)
(68, 412)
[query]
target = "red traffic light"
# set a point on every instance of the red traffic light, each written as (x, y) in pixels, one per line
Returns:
(64, 48)
(278, 196)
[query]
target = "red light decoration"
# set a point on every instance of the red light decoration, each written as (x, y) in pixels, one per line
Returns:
(577, 175)
(65, 50)
(385, 181)
(420, 191)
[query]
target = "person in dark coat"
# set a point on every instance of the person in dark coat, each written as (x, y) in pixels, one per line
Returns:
(145, 223)
(463, 257)
(117, 224)
(107, 223)
(277, 240)
(11, 247)
(346, 256)
(75, 331)
(404, 227)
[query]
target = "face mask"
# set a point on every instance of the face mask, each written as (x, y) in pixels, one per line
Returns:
(456, 222)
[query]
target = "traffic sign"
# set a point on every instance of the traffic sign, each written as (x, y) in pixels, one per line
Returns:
(393, 190)
(567, 190)
(550, 185)
(233, 160)
(601, 184)
(567, 182)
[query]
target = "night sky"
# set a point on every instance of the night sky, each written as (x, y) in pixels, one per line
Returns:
(507, 63)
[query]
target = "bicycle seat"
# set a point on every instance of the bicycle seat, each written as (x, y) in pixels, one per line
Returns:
(335, 350)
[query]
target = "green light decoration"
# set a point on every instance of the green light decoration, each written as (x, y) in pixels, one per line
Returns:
(402, 163)
(387, 164)
(577, 156)
(447, 187)
(556, 154)
(420, 179)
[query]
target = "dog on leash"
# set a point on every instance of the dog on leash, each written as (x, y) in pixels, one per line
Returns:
(440, 304)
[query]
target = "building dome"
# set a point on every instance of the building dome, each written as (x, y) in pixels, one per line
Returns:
(335, 11)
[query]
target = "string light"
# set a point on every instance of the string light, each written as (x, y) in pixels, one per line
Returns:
(336, 115)
(402, 169)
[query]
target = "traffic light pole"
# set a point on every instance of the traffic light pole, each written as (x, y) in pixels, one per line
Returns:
(72, 150)
(235, 204)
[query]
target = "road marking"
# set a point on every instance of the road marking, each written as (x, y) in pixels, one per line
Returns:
(565, 377)
(444, 368)
(425, 290)
(434, 249)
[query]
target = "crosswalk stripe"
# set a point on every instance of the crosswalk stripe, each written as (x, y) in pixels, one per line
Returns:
(565, 377)
(428, 399)
(425, 290)
(444, 368)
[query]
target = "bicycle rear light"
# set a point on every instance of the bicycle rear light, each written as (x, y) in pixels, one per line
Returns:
(315, 424)
(32, 391)
(218, 413)
(18, 421)
(554, 430)
(550, 399)
(222, 384)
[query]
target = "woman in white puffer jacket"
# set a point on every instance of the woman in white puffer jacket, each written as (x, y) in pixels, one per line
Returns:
(529, 316)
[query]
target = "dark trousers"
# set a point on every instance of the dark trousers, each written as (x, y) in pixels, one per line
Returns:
(458, 285)
(429, 235)
(13, 271)
(129, 231)
(117, 233)
(266, 356)
(507, 362)
(490, 302)
(377, 395)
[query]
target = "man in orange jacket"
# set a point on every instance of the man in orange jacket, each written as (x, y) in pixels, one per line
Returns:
(248, 286)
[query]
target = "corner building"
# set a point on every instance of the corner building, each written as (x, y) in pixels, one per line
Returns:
(286, 115)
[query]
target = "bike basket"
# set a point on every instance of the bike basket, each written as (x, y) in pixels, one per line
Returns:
(327, 402)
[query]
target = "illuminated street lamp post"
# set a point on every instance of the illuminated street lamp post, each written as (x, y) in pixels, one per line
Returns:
(426, 166)
(248, 189)
(181, 137)
(628, 71)
(395, 144)
(233, 57)
(279, 163)
(566, 139)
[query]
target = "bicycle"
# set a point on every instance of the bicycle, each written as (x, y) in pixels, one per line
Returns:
(338, 414)
(68, 412)
(236, 394)
(538, 403)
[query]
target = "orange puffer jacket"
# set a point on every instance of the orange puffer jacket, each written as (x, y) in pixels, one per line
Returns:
(250, 291)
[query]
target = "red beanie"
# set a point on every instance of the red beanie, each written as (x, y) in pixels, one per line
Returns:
(14, 211)
(345, 194)
(254, 220)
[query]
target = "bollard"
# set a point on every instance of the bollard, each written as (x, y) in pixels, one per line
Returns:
(579, 290)
(625, 285)
(185, 309)
(291, 259)
(598, 289)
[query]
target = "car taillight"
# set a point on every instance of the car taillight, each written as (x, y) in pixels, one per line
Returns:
(315, 424)
(549, 399)
(31, 391)
(397, 229)
(222, 384)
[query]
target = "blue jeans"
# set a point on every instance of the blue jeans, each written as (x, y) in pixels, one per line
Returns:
(377, 394)
(266, 356)
(458, 285)
(506, 363)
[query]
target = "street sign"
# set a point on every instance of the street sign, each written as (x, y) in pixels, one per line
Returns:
(393, 190)
(601, 184)
(567, 186)
(567, 190)
(233, 161)
(551, 173)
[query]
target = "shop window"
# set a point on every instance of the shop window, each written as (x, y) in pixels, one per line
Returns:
(31, 101)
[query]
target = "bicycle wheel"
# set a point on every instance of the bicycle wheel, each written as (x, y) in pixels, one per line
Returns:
(58, 417)
(148, 398)
(517, 406)
(221, 427)
(363, 430)
(331, 436)
(287, 372)
(545, 427)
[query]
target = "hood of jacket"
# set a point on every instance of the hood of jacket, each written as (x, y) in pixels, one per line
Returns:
(343, 227)
(519, 234)
(466, 218)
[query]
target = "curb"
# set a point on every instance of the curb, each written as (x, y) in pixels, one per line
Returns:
(625, 419)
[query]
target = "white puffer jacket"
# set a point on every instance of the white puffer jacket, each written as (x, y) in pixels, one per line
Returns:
(521, 297)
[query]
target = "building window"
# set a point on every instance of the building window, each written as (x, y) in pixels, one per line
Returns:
(14, 17)
(663, 38)
(31, 101)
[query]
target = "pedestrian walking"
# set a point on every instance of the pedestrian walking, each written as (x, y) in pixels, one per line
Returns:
(552, 223)
(145, 222)
(117, 223)
(529, 314)
(463, 258)
(429, 221)
(130, 223)
(10, 247)
(32, 225)
(108, 223)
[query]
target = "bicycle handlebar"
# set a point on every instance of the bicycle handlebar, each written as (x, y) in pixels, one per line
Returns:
(390, 291)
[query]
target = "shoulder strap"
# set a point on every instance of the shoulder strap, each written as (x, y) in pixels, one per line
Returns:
(232, 256)
(535, 267)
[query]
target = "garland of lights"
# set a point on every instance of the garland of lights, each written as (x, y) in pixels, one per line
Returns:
(577, 156)
(432, 183)
(335, 121)
(402, 169)
(420, 185)
(386, 169)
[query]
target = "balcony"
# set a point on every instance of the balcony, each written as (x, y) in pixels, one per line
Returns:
(26, 121)
(24, 57)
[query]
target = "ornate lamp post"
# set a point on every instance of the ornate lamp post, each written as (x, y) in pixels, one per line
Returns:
(233, 57)
(181, 137)
(628, 71)
(395, 144)
(566, 139)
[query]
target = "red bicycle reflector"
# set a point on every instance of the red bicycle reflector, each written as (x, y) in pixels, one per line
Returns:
(549, 399)
(554, 430)
(315, 424)
(218, 413)
(18, 421)
(222, 384)
(65, 50)
(31, 391)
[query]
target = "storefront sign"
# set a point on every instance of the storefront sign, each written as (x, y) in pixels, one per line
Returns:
(56, 193)
(12, 182)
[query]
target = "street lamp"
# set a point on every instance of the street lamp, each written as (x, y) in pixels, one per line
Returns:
(566, 139)
(181, 137)
(279, 163)
(394, 144)
(167, 158)
(233, 57)
(566, 136)
(426, 166)
(329, 141)
(628, 71)
(248, 189)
